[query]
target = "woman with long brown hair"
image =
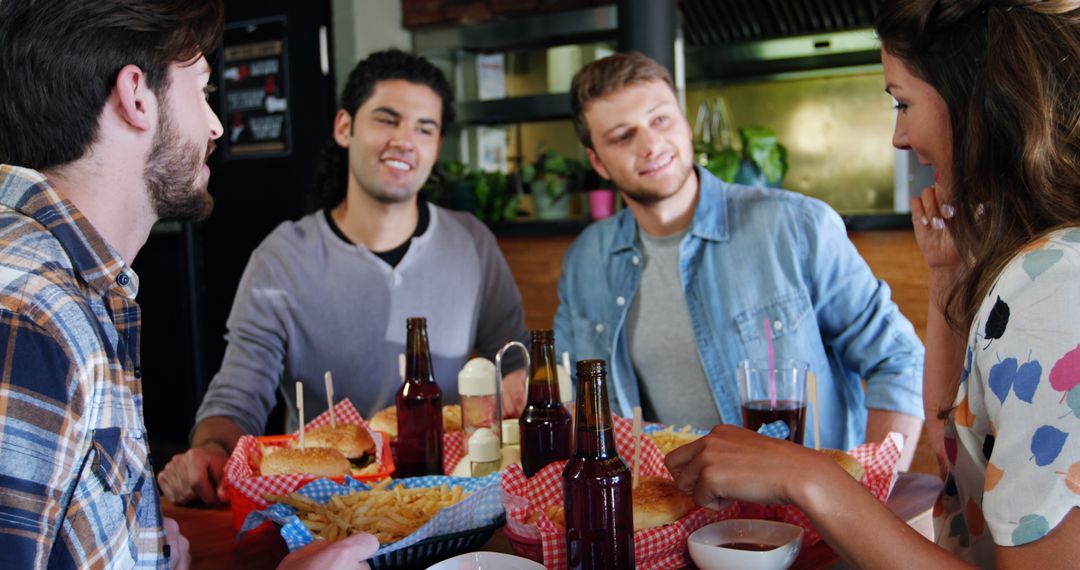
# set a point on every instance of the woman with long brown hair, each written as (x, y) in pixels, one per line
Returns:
(987, 94)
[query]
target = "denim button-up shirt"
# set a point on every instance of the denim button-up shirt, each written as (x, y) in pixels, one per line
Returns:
(752, 254)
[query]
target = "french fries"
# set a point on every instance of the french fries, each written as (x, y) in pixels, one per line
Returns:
(668, 439)
(388, 514)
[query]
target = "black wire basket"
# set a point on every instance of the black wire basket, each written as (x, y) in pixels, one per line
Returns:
(437, 548)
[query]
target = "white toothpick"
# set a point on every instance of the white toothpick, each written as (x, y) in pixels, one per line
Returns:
(329, 380)
(300, 409)
(811, 392)
(637, 444)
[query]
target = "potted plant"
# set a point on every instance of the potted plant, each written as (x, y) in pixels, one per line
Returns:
(761, 161)
(454, 185)
(551, 179)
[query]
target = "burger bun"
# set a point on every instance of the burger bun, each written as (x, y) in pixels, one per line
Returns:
(385, 420)
(847, 462)
(317, 461)
(657, 502)
(351, 440)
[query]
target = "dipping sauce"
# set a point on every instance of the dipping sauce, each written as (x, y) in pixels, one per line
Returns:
(752, 546)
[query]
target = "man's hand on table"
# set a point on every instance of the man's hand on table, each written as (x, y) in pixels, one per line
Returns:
(513, 394)
(348, 553)
(179, 553)
(195, 474)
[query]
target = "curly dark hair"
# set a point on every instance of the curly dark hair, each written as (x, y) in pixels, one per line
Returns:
(332, 172)
(59, 61)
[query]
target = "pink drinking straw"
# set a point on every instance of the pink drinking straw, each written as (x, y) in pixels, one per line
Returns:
(772, 368)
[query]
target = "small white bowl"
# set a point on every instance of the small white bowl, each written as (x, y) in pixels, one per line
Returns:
(486, 561)
(707, 553)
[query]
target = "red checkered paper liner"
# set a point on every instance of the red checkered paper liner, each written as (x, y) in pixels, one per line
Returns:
(241, 475)
(661, 547)
(453, 449)
(879, 460)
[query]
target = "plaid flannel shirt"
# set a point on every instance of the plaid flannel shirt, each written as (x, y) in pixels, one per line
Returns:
(76, 487)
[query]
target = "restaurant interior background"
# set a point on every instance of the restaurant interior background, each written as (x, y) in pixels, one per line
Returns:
(807, 69)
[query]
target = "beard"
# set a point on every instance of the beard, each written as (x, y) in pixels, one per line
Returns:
(173, 175)
(648, 197)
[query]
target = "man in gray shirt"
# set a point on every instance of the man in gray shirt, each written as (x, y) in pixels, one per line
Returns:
(331, 291)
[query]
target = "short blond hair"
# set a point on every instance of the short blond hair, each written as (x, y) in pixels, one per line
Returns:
(607, 75)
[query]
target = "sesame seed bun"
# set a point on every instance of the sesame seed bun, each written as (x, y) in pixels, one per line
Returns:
(657, 502)
(351, 440)
(317, 461)
(385, 420)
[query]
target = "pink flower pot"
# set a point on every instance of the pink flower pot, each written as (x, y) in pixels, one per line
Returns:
(601, 203)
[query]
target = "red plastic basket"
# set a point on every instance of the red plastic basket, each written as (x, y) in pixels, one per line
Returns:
(241, 505)
(531, 548)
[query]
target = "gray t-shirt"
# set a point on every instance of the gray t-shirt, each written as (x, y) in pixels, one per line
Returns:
(674, 389)
(310, 302)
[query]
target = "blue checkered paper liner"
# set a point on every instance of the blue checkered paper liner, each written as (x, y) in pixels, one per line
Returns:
(654, 428)
(479, 509)
(777, 429)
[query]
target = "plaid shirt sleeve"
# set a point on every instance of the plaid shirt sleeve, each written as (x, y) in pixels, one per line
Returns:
(43, 441)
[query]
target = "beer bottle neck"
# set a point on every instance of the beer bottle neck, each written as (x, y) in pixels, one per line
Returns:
(418, 368)
(543, 386)
(595, 429)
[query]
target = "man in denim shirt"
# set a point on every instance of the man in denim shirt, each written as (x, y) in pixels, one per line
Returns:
(674, 291)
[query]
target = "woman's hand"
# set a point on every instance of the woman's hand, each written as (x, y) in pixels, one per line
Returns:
(736, 463)
(930, 214)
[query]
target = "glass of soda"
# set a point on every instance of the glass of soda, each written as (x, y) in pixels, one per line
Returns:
(774, 394)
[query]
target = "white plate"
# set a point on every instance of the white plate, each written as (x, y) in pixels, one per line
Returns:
(487, 561)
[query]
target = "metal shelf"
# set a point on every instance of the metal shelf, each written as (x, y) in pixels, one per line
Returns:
(547, 107)
(559, 28)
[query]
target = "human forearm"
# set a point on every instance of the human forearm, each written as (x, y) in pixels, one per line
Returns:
(861, 529)
(942, 369)
(880, 422)
(217, 433)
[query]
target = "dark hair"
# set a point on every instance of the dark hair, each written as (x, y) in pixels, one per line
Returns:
(59, 61)
(606, 75)
(332, 172)
(1009, 73)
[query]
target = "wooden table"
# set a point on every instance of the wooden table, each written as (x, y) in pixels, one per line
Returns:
(214, 545)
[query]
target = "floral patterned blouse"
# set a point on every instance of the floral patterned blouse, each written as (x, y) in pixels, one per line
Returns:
(1013, 438)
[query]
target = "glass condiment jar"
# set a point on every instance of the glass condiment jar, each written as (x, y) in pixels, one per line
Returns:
(479, 407)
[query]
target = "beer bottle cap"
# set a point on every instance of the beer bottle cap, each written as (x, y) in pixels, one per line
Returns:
(511, 432)
(477, 378)
(483, 446)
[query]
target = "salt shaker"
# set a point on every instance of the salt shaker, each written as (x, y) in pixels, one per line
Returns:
(484, 455)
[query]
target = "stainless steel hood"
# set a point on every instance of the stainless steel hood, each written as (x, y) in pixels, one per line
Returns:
(736, 38)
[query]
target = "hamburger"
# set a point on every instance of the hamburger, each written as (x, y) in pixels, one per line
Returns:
(350, 440)
(847, 462)
(317, 461)
(657, 502)
(385, 420)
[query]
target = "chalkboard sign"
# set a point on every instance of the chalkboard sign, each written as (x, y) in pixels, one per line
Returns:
(255, 97)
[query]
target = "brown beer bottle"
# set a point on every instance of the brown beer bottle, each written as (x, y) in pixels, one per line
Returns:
(419, 408)
(545, 424)
(597, 483)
